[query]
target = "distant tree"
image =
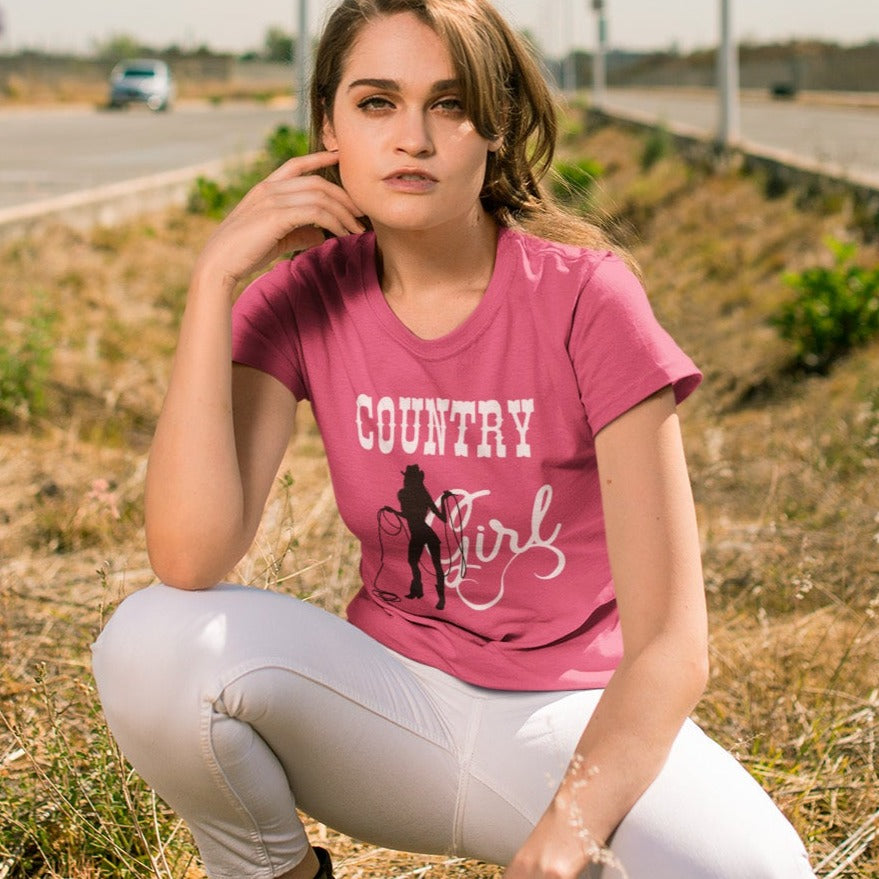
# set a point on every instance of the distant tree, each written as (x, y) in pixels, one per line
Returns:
(119, 46)
(278, 45)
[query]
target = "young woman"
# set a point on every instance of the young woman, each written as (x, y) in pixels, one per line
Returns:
(497, 403)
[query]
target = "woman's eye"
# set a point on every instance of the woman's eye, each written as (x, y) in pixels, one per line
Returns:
(450, 105)
(374, 103)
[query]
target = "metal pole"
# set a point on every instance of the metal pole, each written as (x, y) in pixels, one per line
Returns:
(599, 80)
(569, 65)
(303, 50)
(727, 79)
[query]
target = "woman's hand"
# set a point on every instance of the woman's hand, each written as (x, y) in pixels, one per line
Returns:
(282, 213)
(560, 846)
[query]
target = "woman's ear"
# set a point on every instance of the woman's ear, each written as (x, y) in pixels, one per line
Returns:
(496, 144)
(328, 135)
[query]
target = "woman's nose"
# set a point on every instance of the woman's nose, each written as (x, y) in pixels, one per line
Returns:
(413, 134)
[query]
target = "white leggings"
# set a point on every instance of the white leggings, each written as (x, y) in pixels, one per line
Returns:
(238, 705)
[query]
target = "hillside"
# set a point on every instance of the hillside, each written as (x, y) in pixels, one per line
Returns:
(783, 467)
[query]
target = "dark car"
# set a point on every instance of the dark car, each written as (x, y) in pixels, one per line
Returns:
(142, 81)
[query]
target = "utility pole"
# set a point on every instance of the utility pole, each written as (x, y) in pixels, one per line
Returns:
(303, 51)
(727, 79)
(599, 79)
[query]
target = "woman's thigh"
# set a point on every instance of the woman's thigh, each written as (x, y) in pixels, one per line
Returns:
(704, 816)
(240, 705)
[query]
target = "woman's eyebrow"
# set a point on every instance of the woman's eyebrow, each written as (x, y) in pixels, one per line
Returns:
(392, 85)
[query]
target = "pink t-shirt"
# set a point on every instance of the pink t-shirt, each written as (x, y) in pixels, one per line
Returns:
(466, 464)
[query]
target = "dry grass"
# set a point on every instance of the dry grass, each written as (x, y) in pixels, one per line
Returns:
(784, 471)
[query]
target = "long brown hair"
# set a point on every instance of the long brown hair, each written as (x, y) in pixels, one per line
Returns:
(504, 95)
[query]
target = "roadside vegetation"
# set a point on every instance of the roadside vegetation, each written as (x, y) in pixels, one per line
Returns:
(215, 198)
(784, 458)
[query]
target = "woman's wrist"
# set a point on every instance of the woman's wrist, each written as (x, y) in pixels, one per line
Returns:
(208, 277)
(567, 810)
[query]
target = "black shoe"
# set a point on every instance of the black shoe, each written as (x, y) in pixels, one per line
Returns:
(325, 871)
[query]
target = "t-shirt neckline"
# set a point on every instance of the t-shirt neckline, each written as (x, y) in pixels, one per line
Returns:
(461, 336)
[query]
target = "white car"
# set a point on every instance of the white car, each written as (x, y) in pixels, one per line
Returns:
(142, 81)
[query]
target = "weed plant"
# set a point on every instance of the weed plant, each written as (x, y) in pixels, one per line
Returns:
(76, 808)
(573, 181)
(215, 199)
(658, 144)
(835, 311)
(25, 362)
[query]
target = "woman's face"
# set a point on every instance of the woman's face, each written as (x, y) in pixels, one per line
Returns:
(408, 155)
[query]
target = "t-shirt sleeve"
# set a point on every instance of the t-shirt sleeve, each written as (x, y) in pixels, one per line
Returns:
(265, 332)
(620, 352)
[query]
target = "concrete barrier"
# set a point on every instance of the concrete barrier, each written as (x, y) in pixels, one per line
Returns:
(789, 167)
(115, 202)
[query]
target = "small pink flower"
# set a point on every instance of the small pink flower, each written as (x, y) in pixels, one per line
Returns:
(102, 492)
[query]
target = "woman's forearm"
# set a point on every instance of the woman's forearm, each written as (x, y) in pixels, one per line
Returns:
(629, 736)
(620, 753)
(194, 504)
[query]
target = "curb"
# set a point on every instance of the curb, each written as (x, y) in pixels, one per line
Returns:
(114, 202)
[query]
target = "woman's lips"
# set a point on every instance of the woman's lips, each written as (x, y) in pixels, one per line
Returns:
(410, 181)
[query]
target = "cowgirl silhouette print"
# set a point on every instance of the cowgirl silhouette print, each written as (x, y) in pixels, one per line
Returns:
(415, 505)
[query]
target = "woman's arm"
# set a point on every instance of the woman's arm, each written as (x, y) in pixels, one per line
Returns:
(222, 431)
(653, 544)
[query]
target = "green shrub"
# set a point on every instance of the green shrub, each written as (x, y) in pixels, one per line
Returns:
(25, 359)
(572, 181)
(657, 145)
(836, 309)
(285, 143)
(208, 197)
(215, 199)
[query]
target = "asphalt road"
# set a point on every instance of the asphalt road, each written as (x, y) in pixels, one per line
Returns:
(47, 153)
(846, 136)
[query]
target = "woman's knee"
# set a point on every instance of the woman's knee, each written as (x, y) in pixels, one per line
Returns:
(165, 654)
(152, 667)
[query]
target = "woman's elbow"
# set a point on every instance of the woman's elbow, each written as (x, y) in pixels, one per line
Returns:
(683, 661)
(185, 567)
(694, 672)
(181, 574)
